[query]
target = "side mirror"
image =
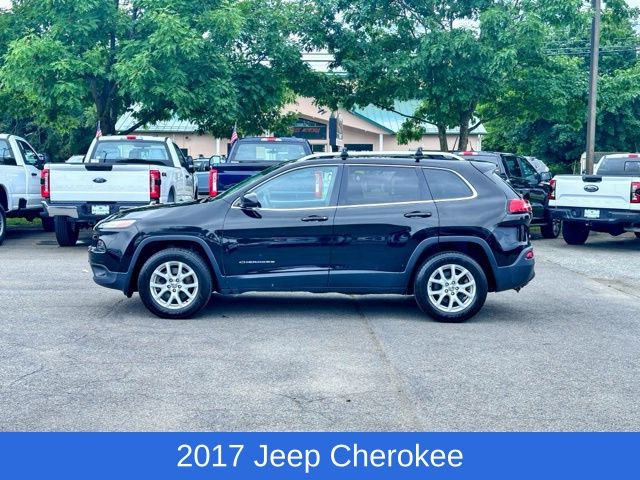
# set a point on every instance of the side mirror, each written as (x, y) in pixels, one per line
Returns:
(250, 201)
(190, 167)
(546, 176)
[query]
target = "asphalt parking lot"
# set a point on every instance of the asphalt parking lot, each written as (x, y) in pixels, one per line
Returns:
(560, 355)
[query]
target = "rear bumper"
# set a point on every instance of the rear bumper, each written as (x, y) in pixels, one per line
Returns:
(516, 275)
(81, 211)
(607, 216)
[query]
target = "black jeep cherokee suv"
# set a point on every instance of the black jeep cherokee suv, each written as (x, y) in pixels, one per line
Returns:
(434, 226)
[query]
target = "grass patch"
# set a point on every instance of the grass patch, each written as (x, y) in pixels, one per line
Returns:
(21, 222)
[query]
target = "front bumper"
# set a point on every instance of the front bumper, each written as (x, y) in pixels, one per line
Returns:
(106, 278)
(516, 275)
(81, 211)
(608, 217)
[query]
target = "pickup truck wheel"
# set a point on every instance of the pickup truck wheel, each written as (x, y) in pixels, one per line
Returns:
(175, 283)
(575, 233)
(48, 225)
(67, 232)
(172, 197)
(450, 287)
(552, 229)
(3, 224)
(637, 234)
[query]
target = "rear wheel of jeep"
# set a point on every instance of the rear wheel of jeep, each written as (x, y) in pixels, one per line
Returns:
(450, 287)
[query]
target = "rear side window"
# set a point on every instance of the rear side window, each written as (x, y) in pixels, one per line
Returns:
(371, 185)
(131, 151)
(619, 166)
(6, 155)
(446, 184)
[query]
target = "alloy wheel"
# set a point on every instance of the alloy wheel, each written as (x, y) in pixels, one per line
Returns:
(174, 285)
(451, 288)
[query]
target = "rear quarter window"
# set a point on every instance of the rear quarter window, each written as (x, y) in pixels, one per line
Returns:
(447, 184)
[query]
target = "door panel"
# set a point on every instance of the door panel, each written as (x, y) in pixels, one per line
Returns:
(286, 242)
(384, 212)
(32, 174)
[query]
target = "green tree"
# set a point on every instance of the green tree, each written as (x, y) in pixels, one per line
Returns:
(213, 62)
(457, 57)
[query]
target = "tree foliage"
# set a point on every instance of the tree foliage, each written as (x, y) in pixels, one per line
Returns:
(213, 62)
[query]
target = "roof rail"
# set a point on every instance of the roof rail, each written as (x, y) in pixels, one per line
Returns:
(415, 155)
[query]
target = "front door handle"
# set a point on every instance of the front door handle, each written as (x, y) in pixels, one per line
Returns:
(418, 214)
(34, 174)
(315, 218)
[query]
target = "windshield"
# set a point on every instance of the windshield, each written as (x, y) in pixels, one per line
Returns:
(619, 166)
(131, 151)
(269, 152)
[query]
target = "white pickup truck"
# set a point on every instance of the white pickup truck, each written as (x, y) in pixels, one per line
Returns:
(20, 167)
(606, 202)
(118, 172)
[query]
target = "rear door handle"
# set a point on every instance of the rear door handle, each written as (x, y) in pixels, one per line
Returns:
(418, 214)
(34, 174)
(315, 218)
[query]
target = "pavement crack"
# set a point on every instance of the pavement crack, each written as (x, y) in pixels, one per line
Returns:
(22, 377)
(394, 374)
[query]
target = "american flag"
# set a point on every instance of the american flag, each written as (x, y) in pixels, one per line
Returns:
(98, 130)
(234, 135)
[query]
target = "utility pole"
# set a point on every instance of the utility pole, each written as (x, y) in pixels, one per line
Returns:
(593, 84)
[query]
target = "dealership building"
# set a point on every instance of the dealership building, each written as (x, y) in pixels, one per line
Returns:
(362, 128)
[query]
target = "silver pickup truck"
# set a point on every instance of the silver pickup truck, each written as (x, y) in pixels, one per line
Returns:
(608, 201)
(118, 172)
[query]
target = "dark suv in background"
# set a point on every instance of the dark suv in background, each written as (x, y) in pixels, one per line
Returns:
(444, 230)
(528, 182)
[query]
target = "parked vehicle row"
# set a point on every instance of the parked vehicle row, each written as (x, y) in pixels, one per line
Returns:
(528, 182)
(20, 168)
(431, 225)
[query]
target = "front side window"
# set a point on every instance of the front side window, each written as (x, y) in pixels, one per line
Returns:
(30, 157)
(446, 185)
(309, 187)
(372, 185)
(512, 165)
(527, 169)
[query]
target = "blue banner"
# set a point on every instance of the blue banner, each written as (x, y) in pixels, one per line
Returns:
(334, 456)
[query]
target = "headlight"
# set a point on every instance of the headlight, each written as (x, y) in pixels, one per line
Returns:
(116, 224)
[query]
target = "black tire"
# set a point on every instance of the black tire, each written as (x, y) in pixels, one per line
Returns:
(575, 233)
(428, 305)
(48, 224)
(172, 197)
(637, 234)
(551, 229)
(3, 224)
(67, 231)
(199, 268)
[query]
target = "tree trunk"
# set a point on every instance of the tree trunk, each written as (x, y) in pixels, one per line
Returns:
(442, 136)
(463, 140)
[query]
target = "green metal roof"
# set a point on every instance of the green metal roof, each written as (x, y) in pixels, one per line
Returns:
(393, 120)
(173, 125)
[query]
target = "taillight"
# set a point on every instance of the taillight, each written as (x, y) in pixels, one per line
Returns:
(635, 192)
(154, 184)
(552, 189)
(529, 255)
(519, 205)
(45, 183)
(213, 182)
